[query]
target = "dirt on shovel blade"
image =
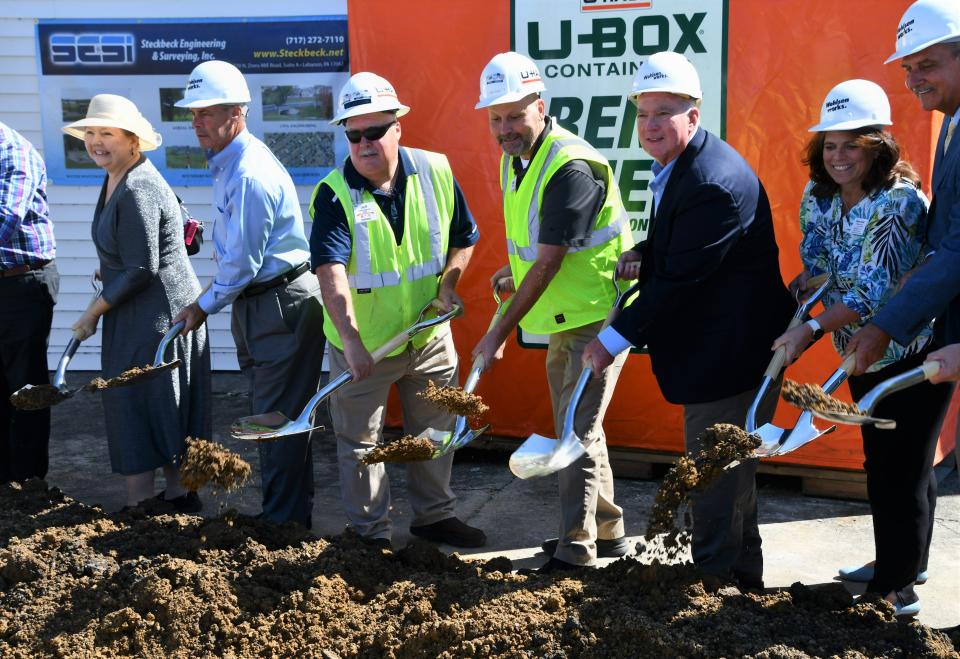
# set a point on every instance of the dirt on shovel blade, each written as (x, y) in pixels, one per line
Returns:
(125, 378)
(36, 397)
(455, 400)
(405, 449)
(723, 444)
(209, 462)
(813, 397)
(78, 582)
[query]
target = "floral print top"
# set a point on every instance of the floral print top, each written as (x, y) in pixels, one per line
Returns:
(865, 253)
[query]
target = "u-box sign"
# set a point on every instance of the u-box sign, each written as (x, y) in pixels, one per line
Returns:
(588, 52)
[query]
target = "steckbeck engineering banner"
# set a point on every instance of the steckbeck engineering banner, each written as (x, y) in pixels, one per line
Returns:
(588, 52)
(294, 66)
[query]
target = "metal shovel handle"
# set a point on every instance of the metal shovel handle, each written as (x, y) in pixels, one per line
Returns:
(906, 379)
(165, 341)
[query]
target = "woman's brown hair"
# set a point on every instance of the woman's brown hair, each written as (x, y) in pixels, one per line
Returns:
(886, 170)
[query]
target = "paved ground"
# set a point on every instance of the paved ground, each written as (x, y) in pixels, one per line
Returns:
(805, 539)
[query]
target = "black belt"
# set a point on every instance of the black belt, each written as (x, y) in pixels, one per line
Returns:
(285, 278)
(19, 270)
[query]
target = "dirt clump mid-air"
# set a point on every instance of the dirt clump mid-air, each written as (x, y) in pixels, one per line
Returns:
(208, 462)
(723, 444)
(78, 582)
(455, 400)
(400, 449)
(813, 397)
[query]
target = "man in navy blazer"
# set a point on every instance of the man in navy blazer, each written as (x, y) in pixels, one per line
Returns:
(928, 45)
(712, 299)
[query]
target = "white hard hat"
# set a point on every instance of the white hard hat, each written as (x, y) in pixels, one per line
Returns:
(508, 77)
(366, 93)
(669, 72)
(925, 23)
(214, 83)
(854, 104)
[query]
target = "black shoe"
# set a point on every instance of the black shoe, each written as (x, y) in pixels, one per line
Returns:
(614, 548)
(553, 566)
(187, 504)
(378, 543)
(451, 531)
(748, 581)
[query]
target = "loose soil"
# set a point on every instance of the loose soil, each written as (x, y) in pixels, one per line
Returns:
(723, 444)
(400, 449)
(209, 462)
(77, 582)
(455, 400)
(34, 397)
(129, 376)
(813, 397)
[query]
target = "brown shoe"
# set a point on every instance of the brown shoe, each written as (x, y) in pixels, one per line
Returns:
(451, 531)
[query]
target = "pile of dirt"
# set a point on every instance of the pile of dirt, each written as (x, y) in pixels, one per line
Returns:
(813, 397)
(723, 444)
(76, 582)
(400, 449)
(455, 400)
(209, 462)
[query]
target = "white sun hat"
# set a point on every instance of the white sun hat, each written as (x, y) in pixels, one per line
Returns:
(112, 111)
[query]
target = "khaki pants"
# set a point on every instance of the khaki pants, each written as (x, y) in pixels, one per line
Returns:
(357, 411)
(587, 510)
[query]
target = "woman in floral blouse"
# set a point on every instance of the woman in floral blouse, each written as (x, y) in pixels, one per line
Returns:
(863, 219)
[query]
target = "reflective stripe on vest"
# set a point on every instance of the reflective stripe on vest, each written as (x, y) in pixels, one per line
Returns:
(597, 237)
(363, 278)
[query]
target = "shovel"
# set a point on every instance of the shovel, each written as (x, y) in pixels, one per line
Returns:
(462, 433)
(32, 397)
(778, 441)
(870, 400)
(137, 375)
(822, 283)
(274, 425)
(539, 455)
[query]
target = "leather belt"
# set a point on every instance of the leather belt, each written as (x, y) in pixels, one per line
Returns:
(20, 270)
(285, 278)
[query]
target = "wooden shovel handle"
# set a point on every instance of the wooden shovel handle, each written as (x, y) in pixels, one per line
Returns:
(849, 363)
(388, 347)
(930, 369)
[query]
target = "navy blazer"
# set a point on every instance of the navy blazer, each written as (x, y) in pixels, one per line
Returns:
(712, 298)
(934, 289)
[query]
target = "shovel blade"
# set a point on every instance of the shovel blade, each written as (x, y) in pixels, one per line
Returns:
(770, 438)
(267, 427)
(541, 456)
(32, 397)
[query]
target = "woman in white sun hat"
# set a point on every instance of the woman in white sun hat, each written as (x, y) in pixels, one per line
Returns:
(138, 232)
(863, 219)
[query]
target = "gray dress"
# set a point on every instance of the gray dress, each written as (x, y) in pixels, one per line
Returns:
(147, 279)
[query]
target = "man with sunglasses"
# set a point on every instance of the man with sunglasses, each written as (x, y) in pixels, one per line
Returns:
(566, 227)
(261, 249)
(391, 231)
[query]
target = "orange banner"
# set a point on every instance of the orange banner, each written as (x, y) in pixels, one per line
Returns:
(783, 57)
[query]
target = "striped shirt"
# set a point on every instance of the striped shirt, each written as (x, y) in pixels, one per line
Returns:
(26, 232)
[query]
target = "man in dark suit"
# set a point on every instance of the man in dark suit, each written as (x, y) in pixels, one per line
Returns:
(928, 45)
(712, 299)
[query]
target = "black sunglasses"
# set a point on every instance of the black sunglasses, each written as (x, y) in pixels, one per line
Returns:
(373, 133)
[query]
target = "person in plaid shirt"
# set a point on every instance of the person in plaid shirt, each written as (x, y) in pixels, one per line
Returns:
(28, 290)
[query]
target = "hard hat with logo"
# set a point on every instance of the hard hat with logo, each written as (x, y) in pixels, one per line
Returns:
(366, 93)
(214, 83)
(508, 77)
(854, 104)
(925, 23)
(669, 72)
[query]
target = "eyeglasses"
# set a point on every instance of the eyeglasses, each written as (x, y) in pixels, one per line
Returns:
(373, 133)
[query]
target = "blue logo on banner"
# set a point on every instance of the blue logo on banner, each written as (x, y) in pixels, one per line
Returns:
(91, 49)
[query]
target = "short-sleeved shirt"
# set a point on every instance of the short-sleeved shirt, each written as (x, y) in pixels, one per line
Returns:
(866, 252)
(572, 198)
(330, 239)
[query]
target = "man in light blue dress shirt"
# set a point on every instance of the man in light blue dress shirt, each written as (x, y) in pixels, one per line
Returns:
(262, 256)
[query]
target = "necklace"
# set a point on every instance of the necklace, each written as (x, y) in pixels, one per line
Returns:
(845, 208)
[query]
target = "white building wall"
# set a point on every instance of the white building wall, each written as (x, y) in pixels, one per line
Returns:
(71, 207)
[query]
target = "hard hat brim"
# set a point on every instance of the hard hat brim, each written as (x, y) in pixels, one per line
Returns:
(357, 111)
(209, 102)
(852, 124)
(916, 49)
(633, 96)
(510, 97)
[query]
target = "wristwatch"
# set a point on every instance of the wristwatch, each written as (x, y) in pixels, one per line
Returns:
(817, 330)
